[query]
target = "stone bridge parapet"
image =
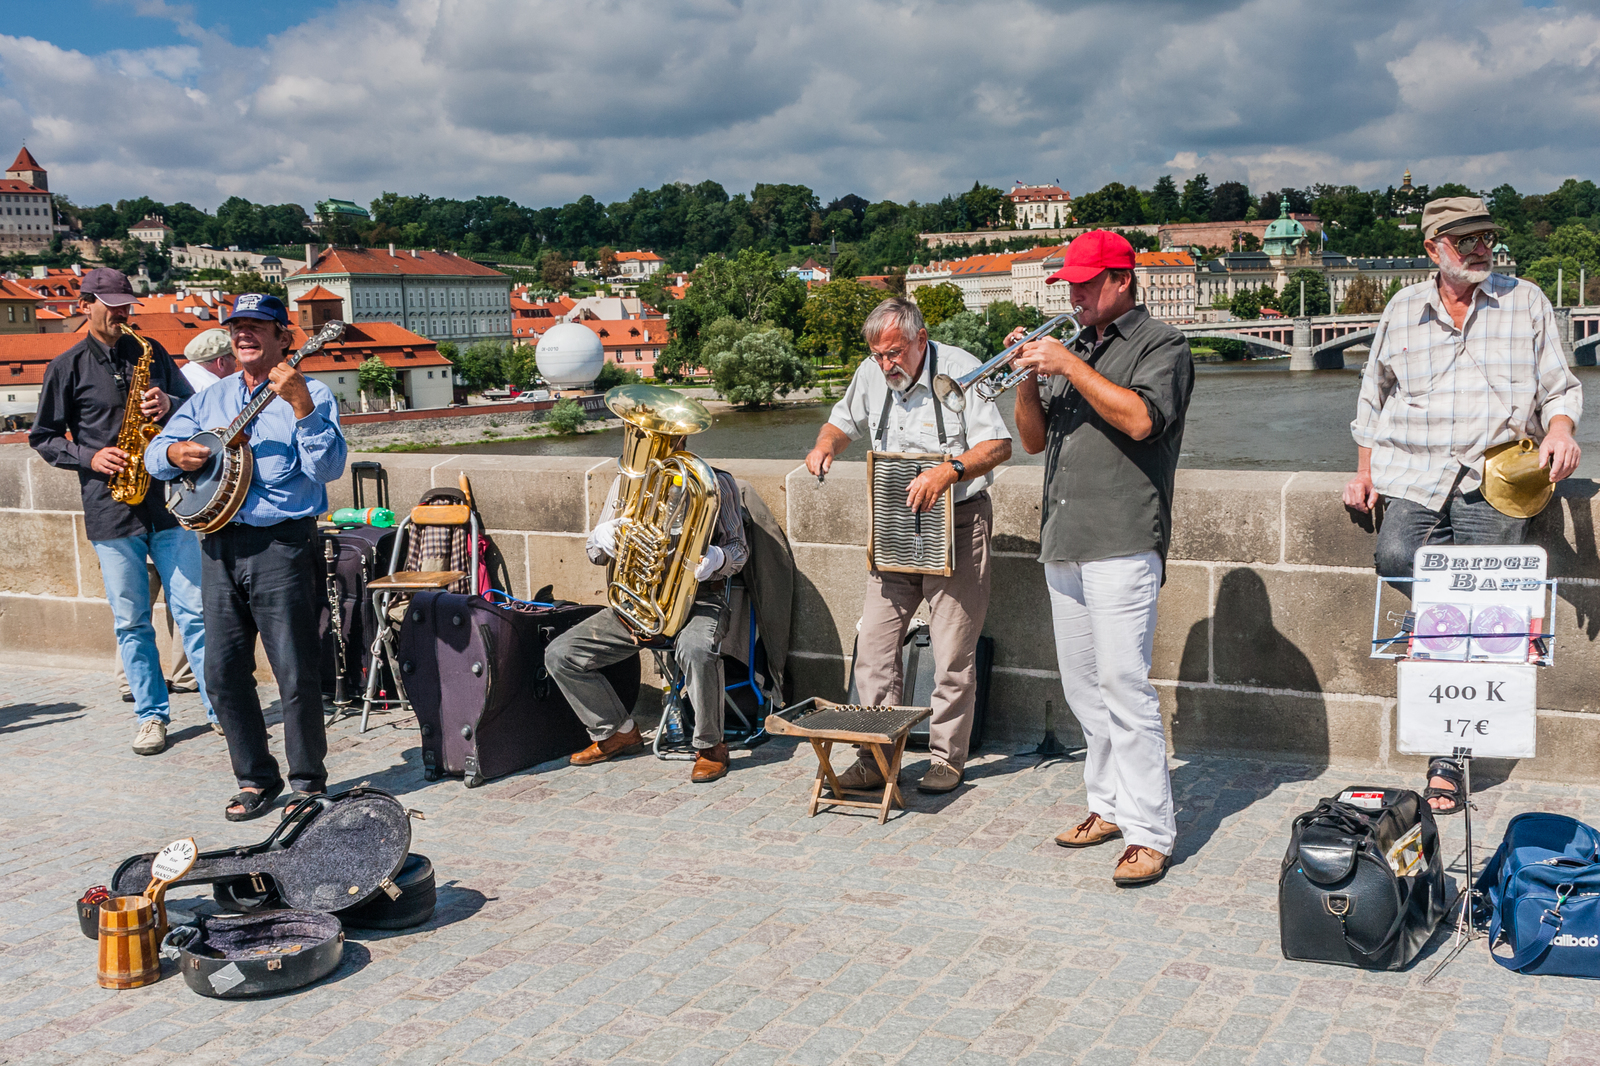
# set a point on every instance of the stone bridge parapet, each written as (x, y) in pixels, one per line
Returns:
(1261, 648)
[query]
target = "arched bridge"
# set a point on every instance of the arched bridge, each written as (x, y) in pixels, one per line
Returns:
(1315, 342)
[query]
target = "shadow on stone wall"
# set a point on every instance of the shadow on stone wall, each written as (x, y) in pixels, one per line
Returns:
(20, 716)
(1212, 720)
(1573, 510)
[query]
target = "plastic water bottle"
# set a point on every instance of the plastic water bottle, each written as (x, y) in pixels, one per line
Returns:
(381, 517)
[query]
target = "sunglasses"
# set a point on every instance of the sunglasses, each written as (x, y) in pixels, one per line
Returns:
(1468, 243)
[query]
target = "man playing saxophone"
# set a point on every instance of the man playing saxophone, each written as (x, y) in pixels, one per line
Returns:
(85, 393)
(576, 658)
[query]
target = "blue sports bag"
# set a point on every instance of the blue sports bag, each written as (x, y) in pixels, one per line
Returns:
(1544, 887)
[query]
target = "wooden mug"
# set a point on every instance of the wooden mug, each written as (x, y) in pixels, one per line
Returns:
(129, 943)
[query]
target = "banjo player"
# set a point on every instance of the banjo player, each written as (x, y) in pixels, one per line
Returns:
(260, 571)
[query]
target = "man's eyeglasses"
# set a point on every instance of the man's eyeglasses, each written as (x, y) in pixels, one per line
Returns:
(891, 354)
(1467, 243)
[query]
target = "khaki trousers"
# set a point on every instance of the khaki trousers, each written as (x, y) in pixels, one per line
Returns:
(958, 605)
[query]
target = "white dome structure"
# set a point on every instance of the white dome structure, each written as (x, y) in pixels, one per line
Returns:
(570, 356)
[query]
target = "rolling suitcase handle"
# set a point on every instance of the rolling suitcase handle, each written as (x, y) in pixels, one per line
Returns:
(367, 470)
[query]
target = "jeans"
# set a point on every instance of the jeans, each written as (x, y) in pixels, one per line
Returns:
(176, 554)
(1105, 625)
(1466, 519)
(262, 580)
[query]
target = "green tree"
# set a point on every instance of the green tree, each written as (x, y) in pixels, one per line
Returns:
(520, 365)
(482, 366)
(964, 330)
(611, 375)
(1197, 198)
(1316, 293)
(833, 319)
(566, 416)
(751, 287)
(760, 366)
(1164, 203)
(848, 266)
(1004, 316)
(1363, 297)
(376, 377)
(1114, 205)
(1230, 202)
(939, 302)
(1392, 291)
(556, 271)
(1246, 304)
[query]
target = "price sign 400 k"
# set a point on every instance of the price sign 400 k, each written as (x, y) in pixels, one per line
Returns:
(1488, 707)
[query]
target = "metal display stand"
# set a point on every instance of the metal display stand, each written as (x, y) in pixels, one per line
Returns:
(1475, 691)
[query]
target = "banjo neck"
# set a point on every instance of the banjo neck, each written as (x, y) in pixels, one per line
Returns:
(234, 434)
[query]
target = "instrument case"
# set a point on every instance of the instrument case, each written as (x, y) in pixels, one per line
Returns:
(329, 854)
(1339, 899)
(363, 553)
(474, 673)
(235, 956)
(419, 896)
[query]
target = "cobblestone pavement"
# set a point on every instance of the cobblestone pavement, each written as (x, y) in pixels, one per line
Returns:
(619, 914)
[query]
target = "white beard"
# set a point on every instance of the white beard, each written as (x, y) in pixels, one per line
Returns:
(898, 379)
(1459, 274)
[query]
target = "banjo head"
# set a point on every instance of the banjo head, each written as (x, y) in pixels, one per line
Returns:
(192, 492)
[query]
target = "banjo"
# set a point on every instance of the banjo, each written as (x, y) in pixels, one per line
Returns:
(206, 499)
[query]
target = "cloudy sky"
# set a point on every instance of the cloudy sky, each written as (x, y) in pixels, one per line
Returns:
(543, 101)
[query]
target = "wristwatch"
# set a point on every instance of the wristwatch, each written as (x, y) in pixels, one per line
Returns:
(960, 468)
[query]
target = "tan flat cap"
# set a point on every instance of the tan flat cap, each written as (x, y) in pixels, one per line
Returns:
(1456, 214)
(212, 344)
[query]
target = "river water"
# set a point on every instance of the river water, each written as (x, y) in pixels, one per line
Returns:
(1250, 416)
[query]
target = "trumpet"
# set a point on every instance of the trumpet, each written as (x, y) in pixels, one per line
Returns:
(996, 376)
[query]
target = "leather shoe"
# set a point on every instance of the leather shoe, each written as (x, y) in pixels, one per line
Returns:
(710, 764)
(941, 777)
(614, 745)
(863, 775)
(1139, 866)
(1089, 832)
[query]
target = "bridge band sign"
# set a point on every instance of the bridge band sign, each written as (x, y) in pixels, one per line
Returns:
(1470, 677)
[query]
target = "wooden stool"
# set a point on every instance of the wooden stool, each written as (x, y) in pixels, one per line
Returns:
(880, 730)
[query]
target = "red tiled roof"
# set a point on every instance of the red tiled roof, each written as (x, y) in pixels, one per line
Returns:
(1046, 252)
(317, 292)
(374, 261)
(1163, 259)
(10, 290)
(150, 222)
(25, 161)
(13, 185)
(643, 257)
(1035, 193)
(629, 332)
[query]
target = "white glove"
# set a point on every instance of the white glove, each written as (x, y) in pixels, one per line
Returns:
(604, 537)
(710, 562)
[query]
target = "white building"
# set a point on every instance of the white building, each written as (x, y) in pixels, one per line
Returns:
(1041, 206)
(439, 295)
(27, 211)
(234, 261)
(152, 229)
(639, 265)
(1167, 284)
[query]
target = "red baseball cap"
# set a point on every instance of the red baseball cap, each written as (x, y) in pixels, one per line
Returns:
(1092, 252)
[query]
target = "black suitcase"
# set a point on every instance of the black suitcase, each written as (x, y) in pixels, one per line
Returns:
(1339, 899)
(360, 554)
(917, 679)
(474, 673)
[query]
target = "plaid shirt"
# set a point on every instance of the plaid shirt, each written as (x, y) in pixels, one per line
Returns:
(1434, 398)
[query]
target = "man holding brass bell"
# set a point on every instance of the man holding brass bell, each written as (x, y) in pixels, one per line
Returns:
(1467, 412)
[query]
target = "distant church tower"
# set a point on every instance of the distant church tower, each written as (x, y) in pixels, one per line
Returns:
(26, 168)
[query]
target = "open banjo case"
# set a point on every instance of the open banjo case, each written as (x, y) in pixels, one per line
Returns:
(329, 854)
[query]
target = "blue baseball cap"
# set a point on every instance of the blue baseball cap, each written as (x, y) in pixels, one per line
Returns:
(259, 305)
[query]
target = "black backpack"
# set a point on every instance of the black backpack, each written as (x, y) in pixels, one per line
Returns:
(1340, 901)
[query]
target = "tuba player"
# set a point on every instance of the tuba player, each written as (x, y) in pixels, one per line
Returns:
(576, 657)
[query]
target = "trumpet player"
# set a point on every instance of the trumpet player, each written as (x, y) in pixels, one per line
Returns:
(1111, 416)
(890, 400)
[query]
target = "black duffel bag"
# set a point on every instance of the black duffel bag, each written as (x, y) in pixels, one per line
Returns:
(1340, 897)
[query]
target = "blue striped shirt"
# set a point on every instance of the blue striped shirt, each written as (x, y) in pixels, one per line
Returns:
(294, 458)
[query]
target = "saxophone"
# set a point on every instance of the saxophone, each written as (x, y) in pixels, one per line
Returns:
(137, 431)
(669, 501)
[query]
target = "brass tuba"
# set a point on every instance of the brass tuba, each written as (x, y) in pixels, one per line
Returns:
(668, 501)
(137, 431)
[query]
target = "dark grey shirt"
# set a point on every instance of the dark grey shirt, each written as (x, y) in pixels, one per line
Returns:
(81, 395)
(1106, 494)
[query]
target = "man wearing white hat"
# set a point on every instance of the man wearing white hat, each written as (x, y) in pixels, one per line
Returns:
(210, 359)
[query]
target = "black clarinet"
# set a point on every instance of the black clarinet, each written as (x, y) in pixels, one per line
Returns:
(330, 552)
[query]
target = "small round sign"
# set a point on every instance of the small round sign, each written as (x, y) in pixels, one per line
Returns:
(174, 860)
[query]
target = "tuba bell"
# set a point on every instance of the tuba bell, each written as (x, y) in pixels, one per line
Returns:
(668, 502)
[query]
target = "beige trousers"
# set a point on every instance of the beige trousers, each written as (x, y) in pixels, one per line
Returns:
(958, 605)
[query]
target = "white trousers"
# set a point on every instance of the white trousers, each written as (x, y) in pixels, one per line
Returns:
(1105, 624)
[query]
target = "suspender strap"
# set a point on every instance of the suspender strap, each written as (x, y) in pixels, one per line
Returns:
(888, 404)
